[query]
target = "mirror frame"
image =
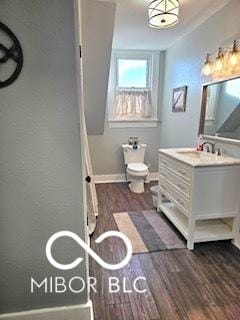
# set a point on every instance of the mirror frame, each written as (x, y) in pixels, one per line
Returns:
(203, 113)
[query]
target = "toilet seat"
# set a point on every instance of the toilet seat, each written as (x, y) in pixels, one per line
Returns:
(137, 167)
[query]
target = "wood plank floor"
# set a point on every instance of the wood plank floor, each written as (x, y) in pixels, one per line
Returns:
(200, 285)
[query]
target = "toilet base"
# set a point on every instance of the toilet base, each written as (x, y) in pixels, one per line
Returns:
(137, 185)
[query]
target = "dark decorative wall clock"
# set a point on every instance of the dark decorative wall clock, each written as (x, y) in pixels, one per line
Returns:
(12, 52)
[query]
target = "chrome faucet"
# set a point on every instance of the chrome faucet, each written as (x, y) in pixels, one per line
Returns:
(214, 150)
(209, 144)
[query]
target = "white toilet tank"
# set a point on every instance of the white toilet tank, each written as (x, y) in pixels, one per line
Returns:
(134, 156)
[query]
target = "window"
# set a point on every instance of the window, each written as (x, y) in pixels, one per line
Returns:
(133, 73)
(133, 88)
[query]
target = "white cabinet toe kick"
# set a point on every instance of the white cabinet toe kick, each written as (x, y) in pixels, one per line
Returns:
(201, 198)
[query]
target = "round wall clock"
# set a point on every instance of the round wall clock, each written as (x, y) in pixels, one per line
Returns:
(13, 52)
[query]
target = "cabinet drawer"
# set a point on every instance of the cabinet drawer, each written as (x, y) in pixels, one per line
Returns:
(181, 202)
(177, 167)
(178, 183)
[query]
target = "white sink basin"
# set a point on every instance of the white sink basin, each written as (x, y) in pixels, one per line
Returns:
(199, 155)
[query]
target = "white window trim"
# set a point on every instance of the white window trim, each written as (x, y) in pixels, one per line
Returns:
(154, 60)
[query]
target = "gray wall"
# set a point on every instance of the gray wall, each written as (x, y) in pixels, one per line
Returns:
(183, 66)
(106, 152)
(40, 154)
(97, 34)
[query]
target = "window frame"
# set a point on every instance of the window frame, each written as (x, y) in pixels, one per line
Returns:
(154, 65)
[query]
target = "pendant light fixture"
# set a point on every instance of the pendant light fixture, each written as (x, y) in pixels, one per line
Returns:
(163, 13)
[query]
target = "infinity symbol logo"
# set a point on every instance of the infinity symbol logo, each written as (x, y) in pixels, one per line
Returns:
(99, 260)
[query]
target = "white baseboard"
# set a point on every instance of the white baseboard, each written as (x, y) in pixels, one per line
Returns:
(77, 312)
(121, 177)
(109, 178)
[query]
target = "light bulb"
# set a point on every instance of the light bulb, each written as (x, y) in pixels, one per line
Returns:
(234, 55)
(219, 65)
(233, 60)
(207, 69)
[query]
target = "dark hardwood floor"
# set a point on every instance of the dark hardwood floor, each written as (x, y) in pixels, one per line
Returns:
(200, 285)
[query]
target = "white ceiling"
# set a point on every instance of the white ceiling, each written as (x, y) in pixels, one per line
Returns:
(132, 30)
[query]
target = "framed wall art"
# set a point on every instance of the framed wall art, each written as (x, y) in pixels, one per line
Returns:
(179, 99)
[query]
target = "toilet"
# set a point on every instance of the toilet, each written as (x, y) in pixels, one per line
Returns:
(137, 170)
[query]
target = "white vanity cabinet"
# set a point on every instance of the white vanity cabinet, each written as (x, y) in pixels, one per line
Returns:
(201, 195)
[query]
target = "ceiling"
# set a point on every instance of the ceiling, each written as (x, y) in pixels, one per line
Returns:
(132, 30)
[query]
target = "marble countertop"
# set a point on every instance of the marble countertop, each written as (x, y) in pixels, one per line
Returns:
(196, 158)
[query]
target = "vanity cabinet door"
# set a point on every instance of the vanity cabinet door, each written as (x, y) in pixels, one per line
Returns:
(216, 192)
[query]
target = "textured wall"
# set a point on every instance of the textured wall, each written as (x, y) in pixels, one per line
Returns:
(40, 154)
(183, 66)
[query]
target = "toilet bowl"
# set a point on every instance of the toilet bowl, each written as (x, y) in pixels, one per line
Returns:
(137, 173)
(137, 170)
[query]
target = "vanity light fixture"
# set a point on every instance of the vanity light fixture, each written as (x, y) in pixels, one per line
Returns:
(163, 13)
(224, 62)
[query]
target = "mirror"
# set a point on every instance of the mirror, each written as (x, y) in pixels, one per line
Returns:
(220, 116)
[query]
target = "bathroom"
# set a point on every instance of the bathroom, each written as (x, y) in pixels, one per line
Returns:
(132, 151)
(179, 67)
